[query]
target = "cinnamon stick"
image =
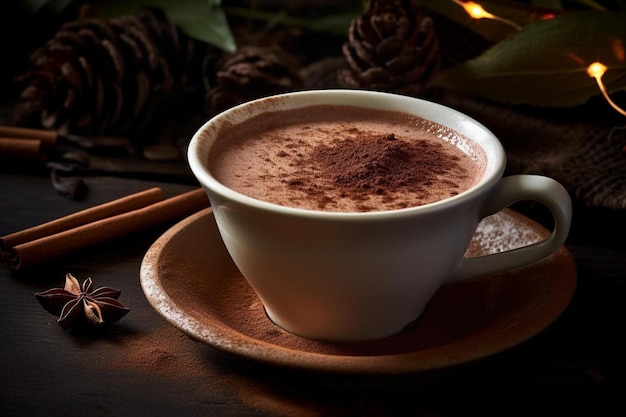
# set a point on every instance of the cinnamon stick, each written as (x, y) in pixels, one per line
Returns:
(87, 235)
(48, 138)
(21, 149)
(111, 208)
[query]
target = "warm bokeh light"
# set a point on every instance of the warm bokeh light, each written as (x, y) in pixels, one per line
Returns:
(476, 11)
(547, 16)
(597, 70)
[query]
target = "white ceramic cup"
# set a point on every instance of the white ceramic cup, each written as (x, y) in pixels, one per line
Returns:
(356, 276)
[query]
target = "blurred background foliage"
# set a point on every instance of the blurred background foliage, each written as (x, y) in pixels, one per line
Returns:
(540, 62)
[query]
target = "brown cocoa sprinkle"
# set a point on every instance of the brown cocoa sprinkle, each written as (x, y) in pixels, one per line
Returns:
(366, 164)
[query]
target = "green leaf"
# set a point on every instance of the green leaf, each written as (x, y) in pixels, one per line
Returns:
(201, 19)
(545, 63)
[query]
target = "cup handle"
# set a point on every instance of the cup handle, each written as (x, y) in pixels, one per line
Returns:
(508, 191)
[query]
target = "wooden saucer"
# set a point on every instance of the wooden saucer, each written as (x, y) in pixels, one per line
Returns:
(189, 278)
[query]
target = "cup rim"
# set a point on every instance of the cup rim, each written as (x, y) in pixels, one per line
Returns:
(199, 147)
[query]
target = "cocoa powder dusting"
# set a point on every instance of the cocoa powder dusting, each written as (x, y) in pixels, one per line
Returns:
(382, 165)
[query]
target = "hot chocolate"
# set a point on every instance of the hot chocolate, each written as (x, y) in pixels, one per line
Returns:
(345, 159)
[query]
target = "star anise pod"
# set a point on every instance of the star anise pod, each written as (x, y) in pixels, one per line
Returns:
(77, 305)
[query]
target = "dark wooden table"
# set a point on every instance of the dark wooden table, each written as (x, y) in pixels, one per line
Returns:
(143, 366)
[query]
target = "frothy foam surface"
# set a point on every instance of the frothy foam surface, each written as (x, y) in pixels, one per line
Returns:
(346, 159)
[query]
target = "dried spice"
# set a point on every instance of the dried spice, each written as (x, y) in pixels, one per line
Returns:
(80, 306)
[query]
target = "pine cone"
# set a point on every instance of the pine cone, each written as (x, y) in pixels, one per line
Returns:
(252, 72)
(106, 77)
(391, 47)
